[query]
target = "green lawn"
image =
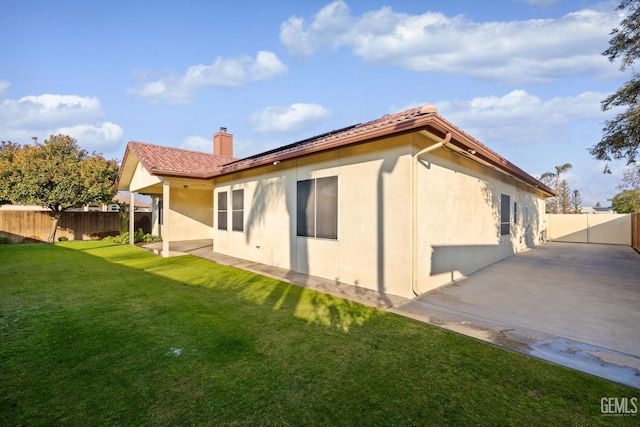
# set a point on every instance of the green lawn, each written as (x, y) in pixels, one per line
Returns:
(93, 333)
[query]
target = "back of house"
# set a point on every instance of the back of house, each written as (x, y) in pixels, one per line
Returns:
(402, 204)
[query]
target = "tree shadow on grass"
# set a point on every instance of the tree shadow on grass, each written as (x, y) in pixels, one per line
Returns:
(309, 305)
(116, 323)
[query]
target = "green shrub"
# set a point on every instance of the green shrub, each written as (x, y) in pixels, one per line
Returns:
(63, 239)
(4, 240)
(138, 237)
(149, 238)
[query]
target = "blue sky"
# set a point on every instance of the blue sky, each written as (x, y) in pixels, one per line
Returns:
(525, 77)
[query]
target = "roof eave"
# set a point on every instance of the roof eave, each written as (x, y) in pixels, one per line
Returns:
(466, 145)
(178, 174)
(430, 122)
(121, 169)
(367, 136)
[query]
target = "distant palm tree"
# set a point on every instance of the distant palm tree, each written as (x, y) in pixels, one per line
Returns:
(551, 175)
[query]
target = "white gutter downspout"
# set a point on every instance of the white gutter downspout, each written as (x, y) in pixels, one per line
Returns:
(414, 214)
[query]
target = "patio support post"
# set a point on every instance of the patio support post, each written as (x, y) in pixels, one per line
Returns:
(132, 217)
(165, 217)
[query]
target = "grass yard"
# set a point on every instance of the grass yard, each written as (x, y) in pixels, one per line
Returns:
(93, 333)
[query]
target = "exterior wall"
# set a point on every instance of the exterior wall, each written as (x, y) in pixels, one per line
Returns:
(459, 204)
(458, 216)
(609, 229)
(142, 179)
(373, 216)
(190, 215)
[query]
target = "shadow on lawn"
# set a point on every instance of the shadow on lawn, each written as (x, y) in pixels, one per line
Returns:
(311, 306)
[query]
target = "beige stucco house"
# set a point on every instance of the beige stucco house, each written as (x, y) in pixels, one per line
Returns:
(402, 204)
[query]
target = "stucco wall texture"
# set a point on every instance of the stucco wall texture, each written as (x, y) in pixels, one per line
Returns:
(458, 216)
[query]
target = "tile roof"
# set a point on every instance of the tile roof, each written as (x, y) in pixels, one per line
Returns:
(386, 121)
(160, 160)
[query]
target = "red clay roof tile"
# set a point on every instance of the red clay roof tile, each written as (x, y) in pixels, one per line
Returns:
(159, 160)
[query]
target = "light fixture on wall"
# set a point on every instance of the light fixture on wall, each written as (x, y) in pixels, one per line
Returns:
(277, 162)
(471, 151)
(185, 186)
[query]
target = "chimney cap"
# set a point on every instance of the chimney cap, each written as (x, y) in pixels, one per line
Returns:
(223, 129)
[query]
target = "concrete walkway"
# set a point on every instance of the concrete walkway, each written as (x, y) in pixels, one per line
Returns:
(577, 305)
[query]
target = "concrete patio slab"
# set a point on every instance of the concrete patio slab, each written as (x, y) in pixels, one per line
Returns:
(577, 305)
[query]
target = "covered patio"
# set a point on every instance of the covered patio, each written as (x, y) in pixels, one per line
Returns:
(181, 191)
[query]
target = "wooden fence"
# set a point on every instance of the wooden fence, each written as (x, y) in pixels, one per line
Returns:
(35, 226)
(635, 231)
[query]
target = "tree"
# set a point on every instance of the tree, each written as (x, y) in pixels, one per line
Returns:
(621, 135)
(564, 198)
(7, 153)
(630, 178)
(57, 175)
(548, 176)
(627, 201)
(548, 179)
(576, 202)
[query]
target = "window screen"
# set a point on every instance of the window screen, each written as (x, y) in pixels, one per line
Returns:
(505, 214)
(306, 208)
(222, 210)
(317, 208)
(237, 215)
(327, 207)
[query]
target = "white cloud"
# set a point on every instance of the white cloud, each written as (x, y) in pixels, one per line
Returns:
(535, 50)
(266, 66)
(43, 115)
(197, 143)
(47, 110)
(288, 120)
(4, 85)
(223, 72)
(519, 117)
(95, 137)
(537, 133)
